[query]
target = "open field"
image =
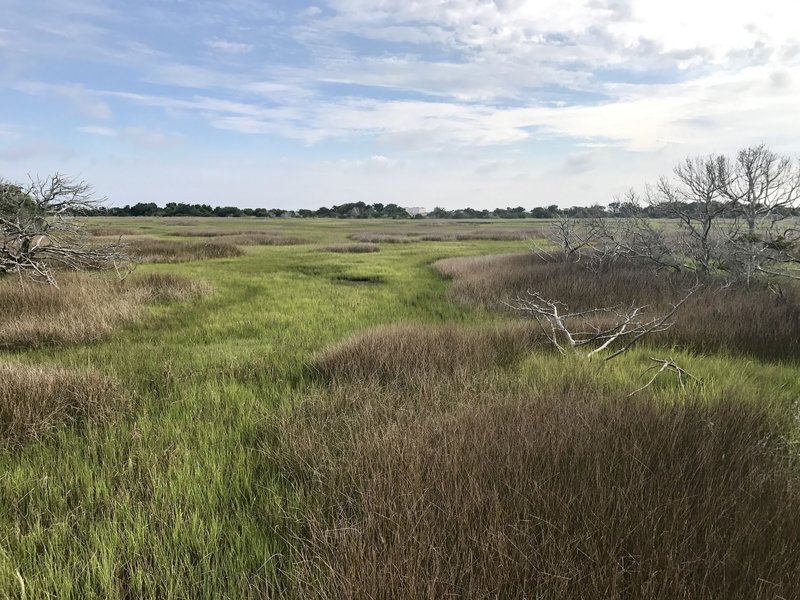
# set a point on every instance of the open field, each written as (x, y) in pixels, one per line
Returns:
(304, 419)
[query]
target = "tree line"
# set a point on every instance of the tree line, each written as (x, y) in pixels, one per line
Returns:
(361, 210)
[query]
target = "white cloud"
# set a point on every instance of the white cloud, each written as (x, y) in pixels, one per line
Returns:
(84, 101)
(229, 47)
(101, 131)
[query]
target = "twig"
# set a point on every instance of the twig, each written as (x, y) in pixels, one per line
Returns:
(666, 365)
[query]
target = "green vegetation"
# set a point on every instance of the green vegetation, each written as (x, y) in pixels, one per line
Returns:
(266, 429)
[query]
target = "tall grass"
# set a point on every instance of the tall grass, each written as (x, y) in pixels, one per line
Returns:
(36, 400)
(83, 308)
(474, 487)
(165, 287)
(450, 236)
(407, 354)
(352, 248)
(732, 318)
(156, 250)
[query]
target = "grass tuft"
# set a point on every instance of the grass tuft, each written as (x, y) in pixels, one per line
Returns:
(354, 248)
(168, 251)
(35, 400)
(167, 287)
(82, 309)
(405, 354)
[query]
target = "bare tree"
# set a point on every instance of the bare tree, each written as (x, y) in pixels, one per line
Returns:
(41, 232)
(635, 237)
(762, 184)
(697, 199)
(573, 236)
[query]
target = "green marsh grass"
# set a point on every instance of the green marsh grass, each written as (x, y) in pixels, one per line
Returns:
(191, 492)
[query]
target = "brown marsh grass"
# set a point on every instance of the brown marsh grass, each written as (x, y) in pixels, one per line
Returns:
(354, 248)
(35, 400)
(753, 321)
(378, 237)
(246, 238)
(212, 233)
(166, 287)
(156, 250)
(404, 354)
(263, 239)
(84, 307)
(558, 495)
(455, 484)
(111, 232)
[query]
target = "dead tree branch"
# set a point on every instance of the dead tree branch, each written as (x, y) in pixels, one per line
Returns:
(41, 230)
(666, 365)
(598, 328)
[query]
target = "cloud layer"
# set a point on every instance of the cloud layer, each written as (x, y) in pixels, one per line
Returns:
(453, 102)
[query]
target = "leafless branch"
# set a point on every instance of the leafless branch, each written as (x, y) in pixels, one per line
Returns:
(666, 365)
(41, 231)
(596, 328)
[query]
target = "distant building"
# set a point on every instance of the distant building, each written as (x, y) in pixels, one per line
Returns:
(416, 210)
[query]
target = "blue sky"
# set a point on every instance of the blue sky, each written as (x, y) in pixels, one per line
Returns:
(430, 102)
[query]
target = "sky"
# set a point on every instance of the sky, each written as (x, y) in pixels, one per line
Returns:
(452, 103)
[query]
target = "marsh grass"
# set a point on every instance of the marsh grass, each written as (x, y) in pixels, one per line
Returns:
(422, 480)
(378, 237)
(260, 239)
(231, 476)
(733, 318)
(35, 401)
(246, 238)
(166, 287)
(156, 250)
(84, 308)
(214, 233)
(111, 231)
(351, 248)
(405, 354)
(381, 238)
